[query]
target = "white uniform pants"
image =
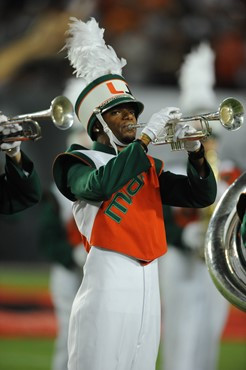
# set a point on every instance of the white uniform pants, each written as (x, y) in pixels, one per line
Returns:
(115, 319)
(64, 285)
(194, 313)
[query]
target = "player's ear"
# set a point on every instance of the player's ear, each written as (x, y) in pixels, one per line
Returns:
(97, 130)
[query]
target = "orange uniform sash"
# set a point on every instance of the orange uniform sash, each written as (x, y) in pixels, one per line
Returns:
(131, 221)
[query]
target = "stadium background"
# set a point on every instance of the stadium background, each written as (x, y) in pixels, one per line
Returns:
(153, 36)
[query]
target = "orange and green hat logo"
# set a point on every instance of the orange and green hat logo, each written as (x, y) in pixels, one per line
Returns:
(103, 93)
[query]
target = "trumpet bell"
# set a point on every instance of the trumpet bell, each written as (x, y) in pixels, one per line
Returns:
(231, 114)
(62, 112)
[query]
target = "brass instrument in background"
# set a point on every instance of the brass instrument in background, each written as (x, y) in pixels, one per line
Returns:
(61, 113)
(225, 254)
(230, 115)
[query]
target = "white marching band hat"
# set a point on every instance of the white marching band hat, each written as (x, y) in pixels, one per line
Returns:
(100, 71)
(102, 94)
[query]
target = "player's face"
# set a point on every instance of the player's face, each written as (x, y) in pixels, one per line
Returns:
(118, 120)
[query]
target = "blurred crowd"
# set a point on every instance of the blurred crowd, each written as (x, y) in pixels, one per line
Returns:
(155, 35)
(152, 35)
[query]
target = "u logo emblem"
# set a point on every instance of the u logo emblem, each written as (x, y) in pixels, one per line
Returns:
(113, 90)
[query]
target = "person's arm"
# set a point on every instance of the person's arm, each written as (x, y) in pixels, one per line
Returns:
(20, 186)
(197, 159)
(199, 188)
(191, 190)
(99, 184)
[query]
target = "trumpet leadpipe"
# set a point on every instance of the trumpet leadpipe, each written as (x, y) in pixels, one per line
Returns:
(136, 126)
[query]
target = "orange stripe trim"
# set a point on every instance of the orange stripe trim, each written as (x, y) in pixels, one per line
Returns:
(78, 157)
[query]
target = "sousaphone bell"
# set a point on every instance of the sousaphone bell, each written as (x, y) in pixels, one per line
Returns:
(225, 253)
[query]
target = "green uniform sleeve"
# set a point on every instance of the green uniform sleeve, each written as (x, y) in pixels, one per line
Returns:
(19, 190)
(86, 182)
(188, 191)
(77, 178)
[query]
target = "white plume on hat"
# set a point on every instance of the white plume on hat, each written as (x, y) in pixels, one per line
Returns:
(77, 133)
(99, 71)
(197, 79)
(72, 90)
(88, 53)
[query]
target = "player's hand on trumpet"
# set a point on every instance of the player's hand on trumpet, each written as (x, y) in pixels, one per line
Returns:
(12, 149)
(181, 130)
(156, 127)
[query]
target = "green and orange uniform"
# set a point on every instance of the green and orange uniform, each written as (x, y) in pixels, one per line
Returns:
(118, 210)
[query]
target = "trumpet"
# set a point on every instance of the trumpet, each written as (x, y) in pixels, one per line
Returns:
(230, 114)
(61, 113)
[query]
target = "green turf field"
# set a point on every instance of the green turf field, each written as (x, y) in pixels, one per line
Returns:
(25, 354)
(36, 354)
(24, 276)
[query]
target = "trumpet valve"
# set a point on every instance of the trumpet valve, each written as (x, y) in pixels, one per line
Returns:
(178, 145)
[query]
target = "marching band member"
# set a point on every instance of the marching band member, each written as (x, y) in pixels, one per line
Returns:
(194, 312)
(20, 185)
(118, 191)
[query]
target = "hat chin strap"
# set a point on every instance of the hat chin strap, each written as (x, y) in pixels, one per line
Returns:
(118, 142)
(113, 140)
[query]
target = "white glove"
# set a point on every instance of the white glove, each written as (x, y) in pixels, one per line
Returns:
(79, 255)
(12, 148)
(158, 121)
(193, 235)
(180, 132)
(3, 118)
